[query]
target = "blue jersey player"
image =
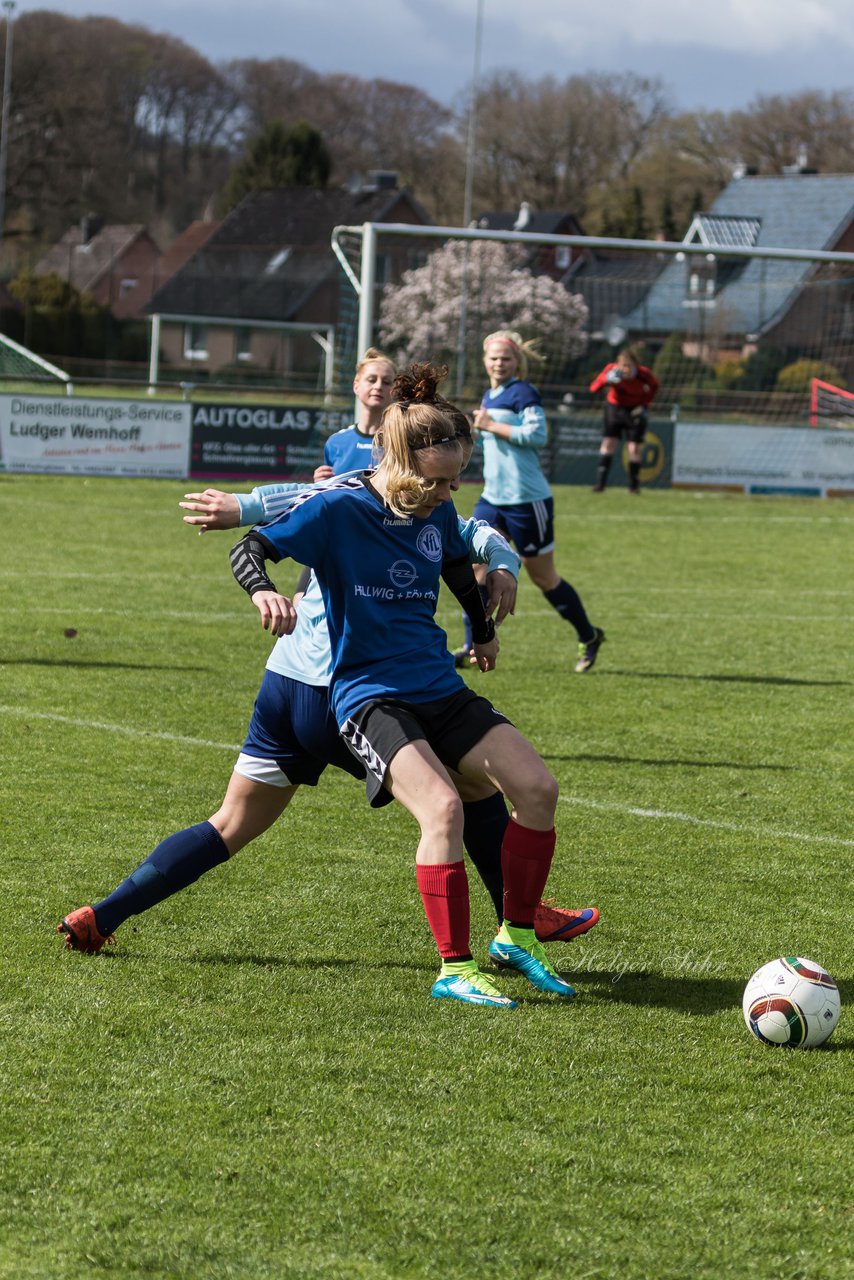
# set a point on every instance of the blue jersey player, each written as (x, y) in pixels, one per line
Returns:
(379, 547)
(291, 739)
(516, 497)
(352, 448)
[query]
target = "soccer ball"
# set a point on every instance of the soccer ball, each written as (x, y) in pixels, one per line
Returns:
(791, 1002)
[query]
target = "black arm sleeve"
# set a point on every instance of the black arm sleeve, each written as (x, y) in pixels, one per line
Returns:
(248, 563)
(459, 577)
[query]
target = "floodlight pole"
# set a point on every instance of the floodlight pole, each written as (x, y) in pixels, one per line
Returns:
(468, 199)
(9, 6)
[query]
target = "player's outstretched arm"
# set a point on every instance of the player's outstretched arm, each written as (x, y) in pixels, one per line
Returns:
(213, 510)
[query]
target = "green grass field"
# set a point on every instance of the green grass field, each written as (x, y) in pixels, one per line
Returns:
(255, 1083)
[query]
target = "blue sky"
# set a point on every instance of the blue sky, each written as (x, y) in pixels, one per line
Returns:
(710, 56)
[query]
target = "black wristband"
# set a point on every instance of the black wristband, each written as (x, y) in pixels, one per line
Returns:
(482, 633)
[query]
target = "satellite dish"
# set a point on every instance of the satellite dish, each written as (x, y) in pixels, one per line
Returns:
(615, 335)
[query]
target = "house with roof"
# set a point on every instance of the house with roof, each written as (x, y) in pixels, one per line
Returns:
(551, 260)
(725, 305)
(116, 264)
(265, 292)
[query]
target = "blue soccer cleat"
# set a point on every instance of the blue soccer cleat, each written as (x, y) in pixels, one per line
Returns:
(464, 981)
(519, 949)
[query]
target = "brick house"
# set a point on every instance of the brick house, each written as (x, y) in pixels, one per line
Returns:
(264, 293)
(116, 264)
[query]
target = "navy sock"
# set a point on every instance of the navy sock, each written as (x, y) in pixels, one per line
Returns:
(634, 474)
(177, 861)
(484, 824)
(567, 601)
(468, 639)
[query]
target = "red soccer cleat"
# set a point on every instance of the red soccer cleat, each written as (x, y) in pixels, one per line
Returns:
(555, 924)
(81, 931)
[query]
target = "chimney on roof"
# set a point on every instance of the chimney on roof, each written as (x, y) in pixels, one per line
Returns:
(90, 225)
(802, 164)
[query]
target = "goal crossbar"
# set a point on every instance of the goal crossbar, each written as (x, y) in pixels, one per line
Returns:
(364, 284)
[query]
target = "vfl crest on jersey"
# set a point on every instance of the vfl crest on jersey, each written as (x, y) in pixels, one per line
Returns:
(429, 543)
(402, 573)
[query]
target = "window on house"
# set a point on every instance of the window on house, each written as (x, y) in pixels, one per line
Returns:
(702, 280)
(127, 285)
(243, 344)
(563, 256)
(196, 342)
(278, 260)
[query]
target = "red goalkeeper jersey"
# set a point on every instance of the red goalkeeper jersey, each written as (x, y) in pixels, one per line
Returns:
(628, 393)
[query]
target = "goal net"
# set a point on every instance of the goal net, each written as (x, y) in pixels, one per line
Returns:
(830, 406)
(17, 364)
(734, 332)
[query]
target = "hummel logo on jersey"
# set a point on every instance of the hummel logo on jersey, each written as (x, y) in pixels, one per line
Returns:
(391, 522)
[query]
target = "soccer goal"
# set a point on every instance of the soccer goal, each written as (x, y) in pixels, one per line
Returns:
(717, 316)
(830, 406)
(17, 362)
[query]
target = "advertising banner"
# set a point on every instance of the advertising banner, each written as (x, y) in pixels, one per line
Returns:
(277, 442)
(94, 437)
(799, 461)
(574, 452)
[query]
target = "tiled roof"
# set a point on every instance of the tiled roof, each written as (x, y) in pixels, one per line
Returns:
(547, 223)
(182, 249)
(82, 265)
(796, 211)
(242, 271)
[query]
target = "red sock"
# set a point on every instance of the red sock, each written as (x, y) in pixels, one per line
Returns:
(526, 859)
(444, 890)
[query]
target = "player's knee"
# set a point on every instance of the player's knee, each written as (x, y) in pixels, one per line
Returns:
(541, 794)
(443, 816)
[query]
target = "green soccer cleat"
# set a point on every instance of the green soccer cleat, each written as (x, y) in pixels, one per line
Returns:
(464, 981)
(519, 949)
(588, 650)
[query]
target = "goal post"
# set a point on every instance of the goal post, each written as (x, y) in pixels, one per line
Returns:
(17, 362)
(830, 406)
(719, 321)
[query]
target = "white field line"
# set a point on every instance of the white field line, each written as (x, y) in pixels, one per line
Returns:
(665, 815)
(129, 732)
(661, 815)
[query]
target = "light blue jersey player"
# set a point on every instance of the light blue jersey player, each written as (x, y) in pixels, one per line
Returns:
(516, 496)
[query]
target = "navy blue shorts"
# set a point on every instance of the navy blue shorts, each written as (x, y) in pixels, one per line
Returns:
(530, 526)
(293, 728)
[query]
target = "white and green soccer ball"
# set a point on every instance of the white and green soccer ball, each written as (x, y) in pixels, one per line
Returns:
(791, 1002)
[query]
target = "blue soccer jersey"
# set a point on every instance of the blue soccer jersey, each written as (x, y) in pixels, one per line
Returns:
(349, 450)
(379, 575)
(511, 468)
